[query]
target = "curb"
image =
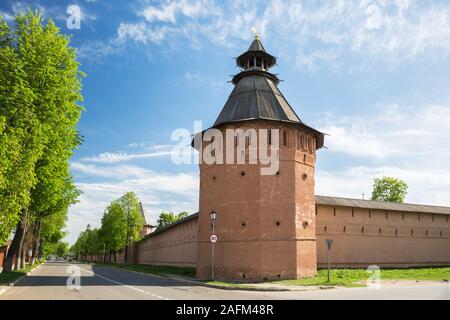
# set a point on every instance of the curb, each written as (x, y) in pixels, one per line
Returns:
(15, 282)
(225, 287)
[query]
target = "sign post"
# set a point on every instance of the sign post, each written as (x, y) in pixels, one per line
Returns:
(329, 245)
(213, 239)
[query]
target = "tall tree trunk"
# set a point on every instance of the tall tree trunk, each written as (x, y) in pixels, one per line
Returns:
(115, 258)
(15, 250)
(23, 257)
(41, 247)
(36, 241)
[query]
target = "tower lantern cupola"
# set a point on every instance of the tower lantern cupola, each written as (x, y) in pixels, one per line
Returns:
(256, 58)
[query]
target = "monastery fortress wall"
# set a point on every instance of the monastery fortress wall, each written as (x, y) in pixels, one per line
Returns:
(362, 237)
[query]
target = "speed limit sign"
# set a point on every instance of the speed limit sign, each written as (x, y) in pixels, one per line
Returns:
(213, 238)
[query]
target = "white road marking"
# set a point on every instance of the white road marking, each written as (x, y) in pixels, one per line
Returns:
(123, 284)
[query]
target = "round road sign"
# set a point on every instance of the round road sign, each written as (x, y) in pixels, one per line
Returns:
(213, 238)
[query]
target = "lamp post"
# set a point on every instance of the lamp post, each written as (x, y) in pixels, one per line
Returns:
(129, 241)
(213, 216)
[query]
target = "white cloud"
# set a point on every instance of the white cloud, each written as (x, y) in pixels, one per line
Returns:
(391, 131)
(166, 13)
(314, 33)
(410, 143)
(108, 157)
(199, 79)
(140, 32)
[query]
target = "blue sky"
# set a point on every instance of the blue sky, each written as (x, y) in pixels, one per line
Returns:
(374, 75)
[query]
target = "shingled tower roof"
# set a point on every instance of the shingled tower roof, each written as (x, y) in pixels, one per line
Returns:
(256, 95)
(141, 209)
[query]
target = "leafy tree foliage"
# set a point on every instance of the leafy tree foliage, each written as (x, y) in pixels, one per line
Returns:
(40, 92)
(167, 218)
(20, 133)
(389, 189)
(58, 249)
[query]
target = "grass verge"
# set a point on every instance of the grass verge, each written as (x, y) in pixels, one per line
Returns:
(339, 277)
(9, 277)
(354, 277)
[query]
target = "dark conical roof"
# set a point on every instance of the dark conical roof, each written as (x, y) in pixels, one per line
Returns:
(256, 97)
(256, 45)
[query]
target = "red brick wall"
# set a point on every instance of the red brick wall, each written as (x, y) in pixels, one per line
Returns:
(360, 239)
(385, 238)
(176, 246)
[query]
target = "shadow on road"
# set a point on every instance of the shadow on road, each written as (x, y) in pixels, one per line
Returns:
(57, 274)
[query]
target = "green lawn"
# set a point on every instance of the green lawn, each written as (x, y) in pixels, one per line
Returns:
(349, 277)
(8, 277)
(339, 277)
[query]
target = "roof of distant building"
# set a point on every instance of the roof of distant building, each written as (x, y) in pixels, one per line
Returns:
(379, 205)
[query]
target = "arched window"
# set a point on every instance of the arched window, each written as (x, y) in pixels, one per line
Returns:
(309, 144)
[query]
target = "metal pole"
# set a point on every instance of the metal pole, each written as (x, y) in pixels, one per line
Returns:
(329, 264)
(128, 235)
(212, 252)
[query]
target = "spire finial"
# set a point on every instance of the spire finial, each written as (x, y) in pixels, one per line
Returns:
(255, 32)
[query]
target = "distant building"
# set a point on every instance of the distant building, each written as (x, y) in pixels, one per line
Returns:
(147, 228)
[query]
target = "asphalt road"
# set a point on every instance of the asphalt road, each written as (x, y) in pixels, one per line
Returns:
(49, 281)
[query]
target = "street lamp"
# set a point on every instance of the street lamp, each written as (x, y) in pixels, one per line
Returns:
(213, 216)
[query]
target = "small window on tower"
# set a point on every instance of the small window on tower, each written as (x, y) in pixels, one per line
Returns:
(285, 138)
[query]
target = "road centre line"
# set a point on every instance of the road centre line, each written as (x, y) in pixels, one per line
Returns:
(122, 284)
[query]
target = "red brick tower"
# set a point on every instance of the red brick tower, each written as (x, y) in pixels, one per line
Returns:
(265, 223)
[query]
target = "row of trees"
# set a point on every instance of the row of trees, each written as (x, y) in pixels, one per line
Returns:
(121, 223)
(40, 92)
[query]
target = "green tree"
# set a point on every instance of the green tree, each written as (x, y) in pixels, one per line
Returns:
(80, 248)
(167, 218)
(389, 189)
(51, 232)
(58, 249)
(21, 135)
(121, 222)
(61, 248)
(47, 69)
